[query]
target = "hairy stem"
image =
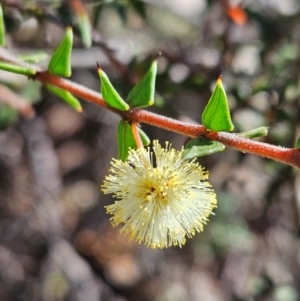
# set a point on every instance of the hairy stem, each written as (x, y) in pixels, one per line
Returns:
(235, 141)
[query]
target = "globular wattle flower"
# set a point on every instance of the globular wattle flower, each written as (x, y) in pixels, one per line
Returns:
(160, 201)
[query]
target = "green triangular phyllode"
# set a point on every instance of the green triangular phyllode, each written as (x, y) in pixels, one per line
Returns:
(67, 97)
(200, 147)
(84, 25)
(126, 139)
(60, 62)
(109, 93)
(256, 133)
(142, 95)
(33, 57)
(216, 115)
(82, 21)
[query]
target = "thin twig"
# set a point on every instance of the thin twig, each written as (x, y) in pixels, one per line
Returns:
(288, 156)
(231, 140)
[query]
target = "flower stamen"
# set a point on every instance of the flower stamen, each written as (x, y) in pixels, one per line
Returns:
(160, 205)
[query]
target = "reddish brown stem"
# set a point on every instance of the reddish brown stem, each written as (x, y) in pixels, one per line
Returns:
(81, 91)
(285, 155)
(231, 140)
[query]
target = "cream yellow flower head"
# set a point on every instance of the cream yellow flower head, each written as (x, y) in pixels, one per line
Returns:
(159, 204)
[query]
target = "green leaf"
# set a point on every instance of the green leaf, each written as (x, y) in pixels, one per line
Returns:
(145, 139)
(60, 62)
(34, 57)
(110, 95)
(85, 28)
(216, 115)
(2, 28)
(75, 13)
(67, 97)
(126, 139)
(17, 69)
(201, 147)
(259, 132)
(142, 95)
(298, 143)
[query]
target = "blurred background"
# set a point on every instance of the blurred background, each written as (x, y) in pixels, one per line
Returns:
(56, 241)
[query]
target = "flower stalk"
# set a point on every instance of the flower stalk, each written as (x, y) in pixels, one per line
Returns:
(136, 135)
